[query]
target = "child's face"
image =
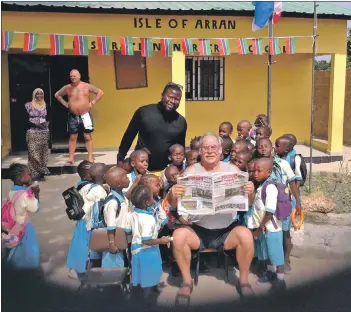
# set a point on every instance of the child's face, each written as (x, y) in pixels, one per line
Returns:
(237, 147)
(225, 131)
(141, 163)
(195, 145)
(192, 158)
(155, 186)
(261, 172)
(177, 156)
(251, 169)
(241, 162)
(264, 148)
(243, 130)
(172, 175)
(261, 133)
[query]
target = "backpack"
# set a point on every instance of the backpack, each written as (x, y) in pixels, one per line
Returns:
(303, 168)
(284, 207)
(74, 202)
(11, 231)
(97, 217)
(277, 174)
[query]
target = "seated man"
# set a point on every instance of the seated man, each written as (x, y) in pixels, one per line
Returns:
(218, 231)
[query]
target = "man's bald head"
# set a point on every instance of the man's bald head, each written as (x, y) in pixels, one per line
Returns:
(75, 76)
(75, 71)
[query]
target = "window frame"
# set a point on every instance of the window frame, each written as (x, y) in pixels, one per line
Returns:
(194, 59)
(115, 55)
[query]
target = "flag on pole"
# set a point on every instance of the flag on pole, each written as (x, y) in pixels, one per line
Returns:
(146, 47)
(166, 47)
(6, 40)
(187, 46)
(81, 45)
(263, 11)
(56, 44)
(103, 43)
(257, 46)
(126, 45)
(290, 44)
(274, 46)
(224, 47)
(204, 47)
(242, 46)
(30, 42)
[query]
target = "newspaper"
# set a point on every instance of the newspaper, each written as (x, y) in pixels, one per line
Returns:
(212, 193)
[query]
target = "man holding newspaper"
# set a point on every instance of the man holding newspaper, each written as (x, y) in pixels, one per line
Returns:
(213, 206)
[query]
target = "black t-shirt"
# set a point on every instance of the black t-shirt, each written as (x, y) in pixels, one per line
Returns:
(157, 130)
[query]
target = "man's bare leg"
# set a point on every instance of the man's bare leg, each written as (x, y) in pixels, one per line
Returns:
(89, 146)
(240, 239)
(72, 145)
(184, 240)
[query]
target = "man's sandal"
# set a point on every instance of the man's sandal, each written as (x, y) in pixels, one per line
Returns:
(179, 297)
(248, 293)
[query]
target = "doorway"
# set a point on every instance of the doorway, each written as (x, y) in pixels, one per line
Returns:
(51, 73)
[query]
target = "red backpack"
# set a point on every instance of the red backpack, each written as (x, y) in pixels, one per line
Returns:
(11, 231)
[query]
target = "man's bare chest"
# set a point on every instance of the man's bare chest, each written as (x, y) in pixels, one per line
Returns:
(78, 91)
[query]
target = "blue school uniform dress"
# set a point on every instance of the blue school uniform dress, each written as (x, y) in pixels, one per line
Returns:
(79, 248)
(115, 215)
(226, 159)
(146, 260)
(26, 254)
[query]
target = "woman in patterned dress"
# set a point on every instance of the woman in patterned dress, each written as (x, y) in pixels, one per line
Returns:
(38, 136)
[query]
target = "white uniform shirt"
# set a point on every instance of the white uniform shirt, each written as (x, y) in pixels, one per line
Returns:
(110, 212)
(270, 205)
(95, 193)
(288, 174)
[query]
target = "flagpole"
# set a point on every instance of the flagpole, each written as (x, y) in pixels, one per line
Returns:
(314, 38)
(269, 67)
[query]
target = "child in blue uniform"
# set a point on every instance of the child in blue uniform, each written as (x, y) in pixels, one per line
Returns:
(227, 144)
(24, 199)
(144, 226)
(115, 215)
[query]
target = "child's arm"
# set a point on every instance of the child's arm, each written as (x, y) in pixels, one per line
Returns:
(157, 241)
(298, 171)
(291, 178)
(133, 186)
(267, 217)
(31, 202)
(270, 205)
(111, 241)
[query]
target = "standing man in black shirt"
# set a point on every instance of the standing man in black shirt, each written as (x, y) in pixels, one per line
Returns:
(158, 126)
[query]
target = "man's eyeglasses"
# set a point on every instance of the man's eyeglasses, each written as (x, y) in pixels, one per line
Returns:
(212, 148)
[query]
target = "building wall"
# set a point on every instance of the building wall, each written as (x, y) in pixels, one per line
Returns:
(322, 90)
(5, 107)
(245, 75)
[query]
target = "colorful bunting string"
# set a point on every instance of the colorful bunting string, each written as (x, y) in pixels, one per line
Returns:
(204, 47)
(274, 46)
(290, 45)
(30, 42)
(127, 46)
(242, 46)
(6, 40)
(166, 47)
(187, 46)
(146, 47)
(257, 47)
(224, 47)
(56, 44)
(81, 45)
(103, 43)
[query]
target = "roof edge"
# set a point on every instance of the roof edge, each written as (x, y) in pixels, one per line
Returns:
(64, 9)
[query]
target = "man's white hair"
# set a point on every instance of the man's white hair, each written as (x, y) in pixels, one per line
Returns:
(209, 134)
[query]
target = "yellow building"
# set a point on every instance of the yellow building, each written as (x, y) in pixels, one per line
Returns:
(217, 88)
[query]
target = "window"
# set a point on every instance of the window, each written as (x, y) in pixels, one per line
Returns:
(130, 70)
(204, 78)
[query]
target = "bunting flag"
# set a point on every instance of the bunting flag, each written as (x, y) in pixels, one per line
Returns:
(126, 45)
(290, 44)
(146, 47)
(6, 40)
(187, 46)
(204, 47)
(242, 46)
(224, 47)
(30, 42)
(56, 44)
(274, 46)
(103, 44)
(81, 45)
(257, 46)
(166, 47)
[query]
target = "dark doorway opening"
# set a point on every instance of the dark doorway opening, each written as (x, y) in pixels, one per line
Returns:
(51, 73)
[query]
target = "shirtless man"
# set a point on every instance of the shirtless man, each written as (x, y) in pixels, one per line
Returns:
(79, 106)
